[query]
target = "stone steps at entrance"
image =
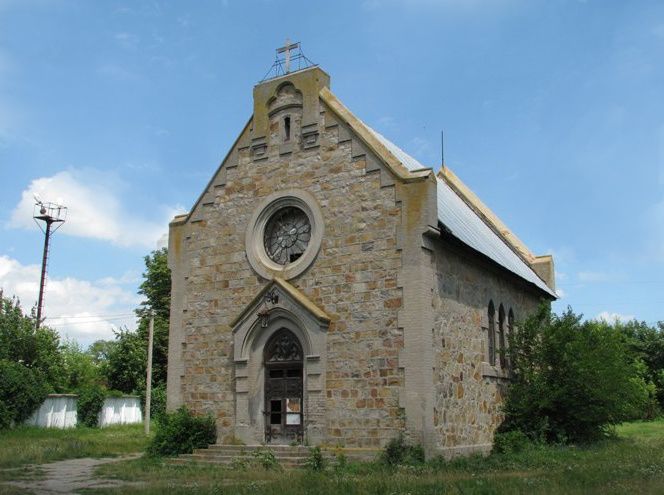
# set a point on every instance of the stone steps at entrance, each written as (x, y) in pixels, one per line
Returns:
(286, 455)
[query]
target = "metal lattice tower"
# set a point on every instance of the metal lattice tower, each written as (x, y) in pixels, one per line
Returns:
(53, 215)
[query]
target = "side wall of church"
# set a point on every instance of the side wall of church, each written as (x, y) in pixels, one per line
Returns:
(354, 279)
(469, 391)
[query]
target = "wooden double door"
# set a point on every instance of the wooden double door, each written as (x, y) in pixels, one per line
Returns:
(284, 384)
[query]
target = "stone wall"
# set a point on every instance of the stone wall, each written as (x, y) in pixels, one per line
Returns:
(354, 280)
(469, 391)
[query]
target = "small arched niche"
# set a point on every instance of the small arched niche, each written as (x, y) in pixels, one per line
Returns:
(286, 96)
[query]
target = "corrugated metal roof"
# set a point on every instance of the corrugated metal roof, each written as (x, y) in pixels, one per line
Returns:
(465, 225)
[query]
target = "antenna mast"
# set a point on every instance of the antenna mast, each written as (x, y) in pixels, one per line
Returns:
(442, 149)
(53, 215)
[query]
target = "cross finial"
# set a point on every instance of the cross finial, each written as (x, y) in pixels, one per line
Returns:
(287, 50)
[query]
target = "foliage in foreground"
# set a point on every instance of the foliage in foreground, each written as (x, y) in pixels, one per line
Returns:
(630, 463)
(22, 390)
(646, 344)
(89, 404)
(397, 452)
(572, 380)
(180, 432)
(31, 445)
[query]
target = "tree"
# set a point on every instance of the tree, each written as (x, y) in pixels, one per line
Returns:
(156, 288)
(646, 344)
(80, 371)
(125, 369)
(22, 390)
(99, 351)
(125, 357)
(572, 380)
(22, 343)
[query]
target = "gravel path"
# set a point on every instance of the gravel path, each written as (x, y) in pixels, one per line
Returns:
(71, 475)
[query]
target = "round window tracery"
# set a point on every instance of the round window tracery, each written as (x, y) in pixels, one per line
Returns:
(287, 235)
(284, 234)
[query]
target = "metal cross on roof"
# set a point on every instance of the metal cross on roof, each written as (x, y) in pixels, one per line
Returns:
(286, 59)
(287, 49)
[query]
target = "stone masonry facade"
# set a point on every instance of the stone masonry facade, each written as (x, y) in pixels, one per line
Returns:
(398, 303)
(469, 391)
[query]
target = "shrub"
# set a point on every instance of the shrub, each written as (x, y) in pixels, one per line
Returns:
(22, 390)
(315, 461)
(157, 403)
(266, 459)
(511, 442)
(89, 404)
(180, 432)
(398, 452)
(571, 381)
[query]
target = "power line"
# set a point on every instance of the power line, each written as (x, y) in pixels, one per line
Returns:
(68, 323)
(89, 316)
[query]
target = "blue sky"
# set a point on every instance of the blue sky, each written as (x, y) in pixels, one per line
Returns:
(553, 114)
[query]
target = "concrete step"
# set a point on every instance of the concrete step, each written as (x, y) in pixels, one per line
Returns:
(230, 458)
(273, 448)
(286, 455)
(179, 461)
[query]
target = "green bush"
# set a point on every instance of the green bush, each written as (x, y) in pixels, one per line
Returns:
(397, 451)
(89, 404)
(266, 459)
(157, 403)
(511, 442)
(22, 391)
(315, 461)
(181, 432)
(572, 380)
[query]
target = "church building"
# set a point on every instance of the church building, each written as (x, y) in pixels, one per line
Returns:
(329, 289)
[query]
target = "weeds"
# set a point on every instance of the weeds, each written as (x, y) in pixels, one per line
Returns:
(266, 459)
(315, 461)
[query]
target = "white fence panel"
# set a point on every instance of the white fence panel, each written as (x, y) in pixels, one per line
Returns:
(57, 411)
(120, 411)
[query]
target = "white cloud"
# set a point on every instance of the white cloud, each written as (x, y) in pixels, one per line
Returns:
(593, 277)
(95, 210)
(561, 293)
(127, 41)
(613, 317)
(79, 309)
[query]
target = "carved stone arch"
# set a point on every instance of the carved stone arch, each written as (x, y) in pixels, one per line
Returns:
(296, 314)
(257, 337)
(283, 346)
(286, 95)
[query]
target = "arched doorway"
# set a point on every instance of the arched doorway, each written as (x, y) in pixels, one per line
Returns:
(282, 358)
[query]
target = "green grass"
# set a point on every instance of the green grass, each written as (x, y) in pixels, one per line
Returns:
(632, 462)
(30, 445)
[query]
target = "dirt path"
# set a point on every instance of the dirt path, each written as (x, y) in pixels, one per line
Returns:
(70, 476)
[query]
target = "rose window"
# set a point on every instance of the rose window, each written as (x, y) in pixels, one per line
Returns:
(287, 235)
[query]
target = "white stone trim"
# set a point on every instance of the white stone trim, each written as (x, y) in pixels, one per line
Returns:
(249, 339)
(254, 240)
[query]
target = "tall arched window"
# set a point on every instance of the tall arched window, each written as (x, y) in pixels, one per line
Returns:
(510, 329)
(501, 335)
(492, 333)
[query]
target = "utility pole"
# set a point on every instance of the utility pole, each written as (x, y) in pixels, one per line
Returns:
(49, 213)
(148, 383)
